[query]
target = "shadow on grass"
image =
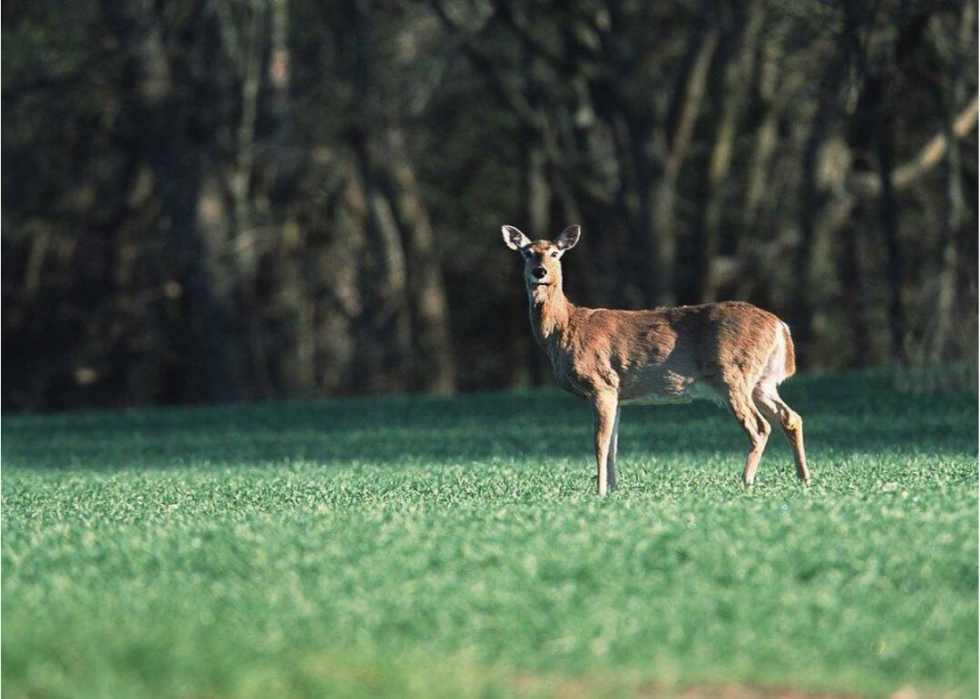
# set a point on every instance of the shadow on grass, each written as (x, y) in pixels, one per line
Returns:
(847, 413)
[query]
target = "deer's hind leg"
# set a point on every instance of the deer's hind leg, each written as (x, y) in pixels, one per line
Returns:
(755, 426)
(774, 407)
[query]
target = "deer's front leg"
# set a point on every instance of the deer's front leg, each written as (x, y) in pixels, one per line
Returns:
(604, 405)
(613, 450)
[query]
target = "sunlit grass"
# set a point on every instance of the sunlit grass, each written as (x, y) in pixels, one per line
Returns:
(453, 547)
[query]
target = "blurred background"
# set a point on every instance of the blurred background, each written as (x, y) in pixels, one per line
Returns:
(223, 200)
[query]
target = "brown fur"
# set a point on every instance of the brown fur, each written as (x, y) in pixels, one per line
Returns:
(733, 350)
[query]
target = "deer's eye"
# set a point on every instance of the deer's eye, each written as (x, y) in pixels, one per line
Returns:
(526, 253)
(554, 254)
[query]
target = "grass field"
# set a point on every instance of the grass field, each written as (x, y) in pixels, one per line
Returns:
(453, 547)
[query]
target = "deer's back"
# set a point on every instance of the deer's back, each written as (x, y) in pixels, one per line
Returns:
(665, 354)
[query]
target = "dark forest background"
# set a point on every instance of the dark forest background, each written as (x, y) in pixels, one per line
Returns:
(216, 200)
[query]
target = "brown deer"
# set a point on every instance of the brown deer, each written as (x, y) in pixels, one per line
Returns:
(730, 352)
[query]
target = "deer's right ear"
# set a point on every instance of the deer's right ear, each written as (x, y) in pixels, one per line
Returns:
(568, 238)
(514, 239)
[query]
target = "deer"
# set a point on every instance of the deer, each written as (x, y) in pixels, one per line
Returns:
(731, 352)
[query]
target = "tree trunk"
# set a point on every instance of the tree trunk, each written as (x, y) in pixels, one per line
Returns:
(812, 201)
(737, 83)
(537, 201)
(157, 122)
(661, 158)
(384, 362)
(888, 209)
(435, 369)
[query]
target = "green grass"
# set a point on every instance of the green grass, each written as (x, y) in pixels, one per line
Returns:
(453, 547)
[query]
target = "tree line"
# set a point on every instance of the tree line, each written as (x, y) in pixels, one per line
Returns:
(217, 200)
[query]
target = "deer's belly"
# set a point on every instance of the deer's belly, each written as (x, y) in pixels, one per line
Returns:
(691, 392)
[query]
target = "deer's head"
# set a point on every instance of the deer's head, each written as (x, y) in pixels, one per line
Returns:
(542, 258)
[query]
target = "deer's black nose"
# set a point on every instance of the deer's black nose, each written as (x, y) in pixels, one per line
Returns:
(539, 272)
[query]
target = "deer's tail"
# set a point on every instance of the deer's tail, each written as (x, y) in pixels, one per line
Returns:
(789, 352)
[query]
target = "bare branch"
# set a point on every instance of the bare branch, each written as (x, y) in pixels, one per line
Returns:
(513, 99)
(867, 184)
(506, 13)
(691, 98)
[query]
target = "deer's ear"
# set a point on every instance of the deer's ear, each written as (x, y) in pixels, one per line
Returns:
(568, 238)
(514, 239)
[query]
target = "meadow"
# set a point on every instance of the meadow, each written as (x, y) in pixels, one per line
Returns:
(414, 546)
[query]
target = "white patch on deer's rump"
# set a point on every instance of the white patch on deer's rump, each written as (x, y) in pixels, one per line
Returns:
(774, 373)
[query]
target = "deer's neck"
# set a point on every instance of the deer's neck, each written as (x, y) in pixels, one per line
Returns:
(550, 311)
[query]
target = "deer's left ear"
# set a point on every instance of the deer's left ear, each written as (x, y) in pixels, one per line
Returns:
(568, 238)
(514, 239)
